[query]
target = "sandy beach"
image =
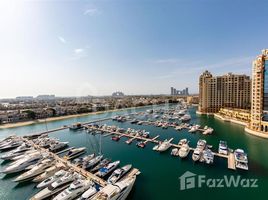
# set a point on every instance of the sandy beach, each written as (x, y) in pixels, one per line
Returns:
(18, 124)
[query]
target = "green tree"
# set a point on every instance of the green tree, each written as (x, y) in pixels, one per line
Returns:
(30, 114)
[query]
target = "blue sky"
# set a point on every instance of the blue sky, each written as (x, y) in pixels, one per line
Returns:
(73, 48)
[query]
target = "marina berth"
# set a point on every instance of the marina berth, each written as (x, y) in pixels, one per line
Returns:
(118, 174)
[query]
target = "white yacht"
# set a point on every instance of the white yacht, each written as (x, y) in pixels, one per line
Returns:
(208, 156)
(89, 193)
(163, 146)
(185, 118)
(74, 153)
(16, 152)
(58, 146)
(11, 145)
(118, 174)
(194, 128)
(107, 169)
(196, 154)
(201, 144)
(92, 162)
(35, 171)
(183, 141)
(49, 172)
(77, 188)
(175, 152)
(102, 163)
(56, 186)
(223, 148)
(184, 150)
(208, 131)
(241, 159)
(118, 191)
(21, 164)
(52, 179)
(81, 161)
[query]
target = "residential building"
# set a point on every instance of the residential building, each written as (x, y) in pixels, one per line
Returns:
(229, 90)
(259, 102)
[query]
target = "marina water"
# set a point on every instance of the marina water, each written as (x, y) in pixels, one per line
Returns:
(160, 172)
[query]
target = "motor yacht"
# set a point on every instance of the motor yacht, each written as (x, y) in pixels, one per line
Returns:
(183, 141)
(241, 159)
(56, 187)
(25, 154)
(208, 156)
(81, 161)
(102, 163)
(175, 152)
(11, 145)
(107, 169)
(208, 131)
(184, 150)
(16, 152)
(201, 144)
(49, 172)
(77, 188)
(89, 164)
(58, 146)
(74, 153)
(118, 174)
(185, 118)
(196, 154)
(90, 192)
(51, 179)
(21, 164)
(163, 146)
(118, 191)
(223, 148)
(35, 171)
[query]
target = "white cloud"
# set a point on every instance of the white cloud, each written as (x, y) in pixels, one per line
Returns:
(61, 39)
(92, 11)
(78, 51)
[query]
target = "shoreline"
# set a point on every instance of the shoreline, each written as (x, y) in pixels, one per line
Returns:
(51, 119)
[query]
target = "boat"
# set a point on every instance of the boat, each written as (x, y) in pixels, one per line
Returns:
(208, 131)
(52, 179)
(58, 146)
(77, 188)
(115, 138)
(102, 163)
(196, 154)
(107, 169)
(145, 134)
(208, 156)
(11, 145)
(185, 118)
(74, 153)
(134, 121)
(49, 172)
(16, 152)
(193, 129)
(35, 171)
(182, 141)
(201, 144)
(90, 192)
(91, 163)
(118, 174)
(175, 152)
(141, 144)
(56, 186)
(21, 164)
(75, 126)
(81, 161)
(241, 159)
(163, 146)
(223, 148)
(118, 191)
(184, 150)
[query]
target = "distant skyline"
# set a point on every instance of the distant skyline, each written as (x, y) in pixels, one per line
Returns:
(79, 48)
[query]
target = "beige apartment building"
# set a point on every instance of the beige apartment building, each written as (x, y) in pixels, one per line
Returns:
(259, 104)
(229, 91)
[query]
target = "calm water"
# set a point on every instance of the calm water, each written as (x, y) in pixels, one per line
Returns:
(160, 173)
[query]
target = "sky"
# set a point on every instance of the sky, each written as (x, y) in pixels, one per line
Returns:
(77, 48)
